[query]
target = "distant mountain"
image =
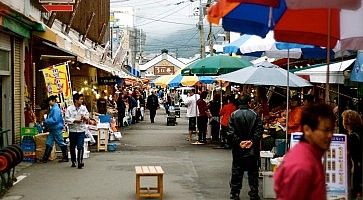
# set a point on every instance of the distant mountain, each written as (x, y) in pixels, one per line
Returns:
(184, 43)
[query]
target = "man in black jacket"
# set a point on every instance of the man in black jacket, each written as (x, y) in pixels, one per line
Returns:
(152, 104)
(244, 134)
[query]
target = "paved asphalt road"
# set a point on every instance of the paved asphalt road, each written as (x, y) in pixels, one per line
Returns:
(192, 172)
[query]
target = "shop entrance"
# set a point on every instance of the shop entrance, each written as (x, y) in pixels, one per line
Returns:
(6, 110)
(1, 101)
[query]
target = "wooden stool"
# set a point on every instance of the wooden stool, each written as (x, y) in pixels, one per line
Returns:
(152, 192)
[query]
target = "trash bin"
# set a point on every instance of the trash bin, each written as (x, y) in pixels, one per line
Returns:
(280, 146)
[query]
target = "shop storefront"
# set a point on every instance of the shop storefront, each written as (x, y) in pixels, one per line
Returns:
(15, 31)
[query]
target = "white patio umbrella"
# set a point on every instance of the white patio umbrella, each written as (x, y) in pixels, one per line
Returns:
(265, 73)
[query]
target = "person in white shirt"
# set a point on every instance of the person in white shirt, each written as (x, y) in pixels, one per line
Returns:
(76, 117)
(191, 103)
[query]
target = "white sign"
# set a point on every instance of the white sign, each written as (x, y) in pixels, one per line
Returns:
(56, 1)
(336, 166)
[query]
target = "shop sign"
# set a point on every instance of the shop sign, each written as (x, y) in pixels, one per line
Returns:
(336, 163)
(58, 8)
(109, 80)
(56, 1)
(163, 70)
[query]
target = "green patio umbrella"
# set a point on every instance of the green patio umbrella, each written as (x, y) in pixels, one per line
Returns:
(215, 65)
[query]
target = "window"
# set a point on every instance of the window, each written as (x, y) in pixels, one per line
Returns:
(4, 60)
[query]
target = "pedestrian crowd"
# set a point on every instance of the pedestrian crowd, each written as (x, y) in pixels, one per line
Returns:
(234, 123)
(238, 124)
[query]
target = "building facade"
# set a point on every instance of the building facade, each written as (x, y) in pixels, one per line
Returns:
(163, 64)
(127, 36)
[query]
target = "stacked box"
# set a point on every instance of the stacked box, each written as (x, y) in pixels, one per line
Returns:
(28, 146)
(86, 152)
(102, 139)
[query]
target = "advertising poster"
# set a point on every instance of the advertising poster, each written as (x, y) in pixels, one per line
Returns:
(336, 166)
(58, 83)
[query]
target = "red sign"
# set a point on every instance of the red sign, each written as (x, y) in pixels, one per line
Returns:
(58, 8)
(56, 1)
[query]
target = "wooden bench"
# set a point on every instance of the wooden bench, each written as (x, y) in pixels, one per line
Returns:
(151, 192)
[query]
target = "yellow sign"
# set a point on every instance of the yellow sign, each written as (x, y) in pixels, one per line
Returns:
(58, 83)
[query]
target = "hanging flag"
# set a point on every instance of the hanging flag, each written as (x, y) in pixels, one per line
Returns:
(57, 83)
(357, 72)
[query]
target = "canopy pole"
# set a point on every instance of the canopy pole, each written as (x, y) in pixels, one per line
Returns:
(287, 97)
(327, 86)
(34, 86)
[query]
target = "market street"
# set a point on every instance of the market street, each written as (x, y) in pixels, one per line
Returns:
(194, 172)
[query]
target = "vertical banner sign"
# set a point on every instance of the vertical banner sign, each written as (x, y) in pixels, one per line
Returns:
(57, 83)
(337, 168)
(336, 171)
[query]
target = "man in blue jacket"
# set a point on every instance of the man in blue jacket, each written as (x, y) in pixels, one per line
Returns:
(54, 123)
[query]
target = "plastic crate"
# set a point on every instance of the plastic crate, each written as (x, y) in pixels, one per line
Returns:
(104, 118)
(27, 131)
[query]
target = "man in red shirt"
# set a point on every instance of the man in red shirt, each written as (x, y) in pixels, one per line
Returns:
(301, 175)
(295, 115)
(225, 113)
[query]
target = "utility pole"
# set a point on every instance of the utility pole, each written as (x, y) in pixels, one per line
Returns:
(201, 30)
(211, 40)
(111, 33)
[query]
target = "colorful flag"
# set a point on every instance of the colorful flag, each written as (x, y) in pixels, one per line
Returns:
(357, 72)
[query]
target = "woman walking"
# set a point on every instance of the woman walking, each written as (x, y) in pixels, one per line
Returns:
(352, 122)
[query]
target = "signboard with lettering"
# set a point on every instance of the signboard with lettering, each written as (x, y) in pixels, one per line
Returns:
(109, 80)
(163, 70)
(336, 169)
(58, 8)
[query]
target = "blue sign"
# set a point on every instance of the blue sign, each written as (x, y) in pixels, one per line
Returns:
(357, 72)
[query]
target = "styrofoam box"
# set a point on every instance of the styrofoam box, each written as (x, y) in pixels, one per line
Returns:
(268, 185)
(85, 145)
(86, 154)
(103, 125)
(266, 154)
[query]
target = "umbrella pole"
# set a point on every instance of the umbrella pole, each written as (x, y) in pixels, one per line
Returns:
(287, 97)
(196, 110)
(327, 86)
(221, 105)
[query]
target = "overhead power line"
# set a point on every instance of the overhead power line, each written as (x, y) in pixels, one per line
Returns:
(165, 21)
(162, 17)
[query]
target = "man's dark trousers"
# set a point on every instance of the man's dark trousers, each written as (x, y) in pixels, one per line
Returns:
(239, 166)
(152, 115)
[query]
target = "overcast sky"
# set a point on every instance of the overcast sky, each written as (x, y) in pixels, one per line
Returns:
(161, 17)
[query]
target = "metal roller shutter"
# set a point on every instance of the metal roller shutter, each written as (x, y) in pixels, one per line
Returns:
(5, 42)
(17, 89)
